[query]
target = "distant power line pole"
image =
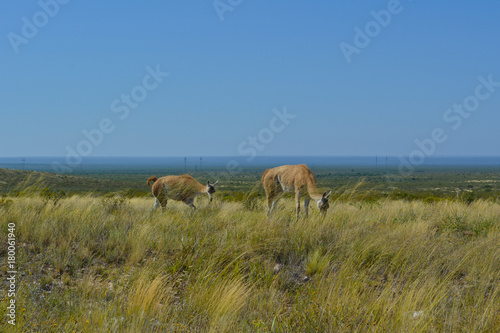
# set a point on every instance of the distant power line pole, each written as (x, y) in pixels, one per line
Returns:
(185, 164)
(201, 163)
(23, 160)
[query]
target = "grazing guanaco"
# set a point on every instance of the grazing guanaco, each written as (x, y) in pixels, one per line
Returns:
(296, 179)
(181, 188)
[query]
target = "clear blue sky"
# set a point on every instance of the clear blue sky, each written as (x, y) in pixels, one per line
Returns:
(226, 77)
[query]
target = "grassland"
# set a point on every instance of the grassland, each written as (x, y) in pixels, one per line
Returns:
(20, 182)
(92, 263)
(426, 183)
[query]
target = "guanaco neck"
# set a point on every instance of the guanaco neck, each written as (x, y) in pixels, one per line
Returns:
(203, 189)
(313, 192)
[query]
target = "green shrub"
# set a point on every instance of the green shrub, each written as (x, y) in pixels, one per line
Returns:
(112, 203)
(132, 193)
(402, 195)
(467, 197)
(252, 202)
(5, 203)
(48, 195)
(462, 225)
(430, 200)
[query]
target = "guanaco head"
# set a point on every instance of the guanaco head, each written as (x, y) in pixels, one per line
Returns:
(211, 189)
(323, 204)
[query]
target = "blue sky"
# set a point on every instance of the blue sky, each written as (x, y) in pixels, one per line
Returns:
(225, 78)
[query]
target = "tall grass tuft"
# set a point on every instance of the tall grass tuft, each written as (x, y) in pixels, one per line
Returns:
(149, 303)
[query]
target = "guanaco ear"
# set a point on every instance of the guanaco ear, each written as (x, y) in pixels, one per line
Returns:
(326, 195)
(208, 182)
(215, 183)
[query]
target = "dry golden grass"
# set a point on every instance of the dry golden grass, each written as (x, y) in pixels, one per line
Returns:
(95, 264)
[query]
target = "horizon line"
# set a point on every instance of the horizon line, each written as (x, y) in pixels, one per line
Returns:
(239, 156)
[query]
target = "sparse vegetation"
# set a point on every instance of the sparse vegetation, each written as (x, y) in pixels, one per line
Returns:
(49, 195)
(108, 264)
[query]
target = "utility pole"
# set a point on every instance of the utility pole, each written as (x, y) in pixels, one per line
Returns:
(185, 164)
(23, 160)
